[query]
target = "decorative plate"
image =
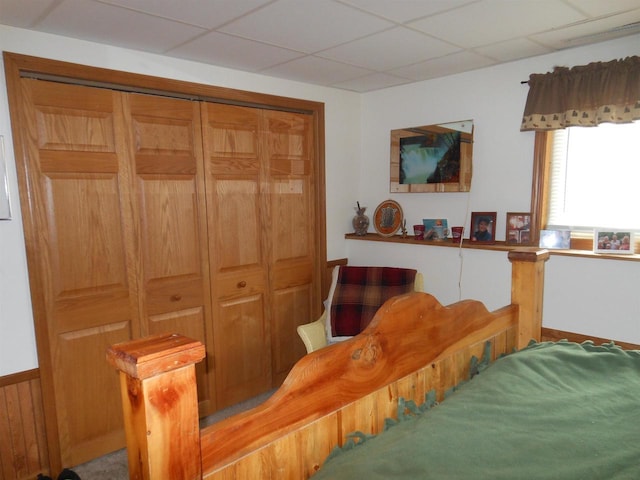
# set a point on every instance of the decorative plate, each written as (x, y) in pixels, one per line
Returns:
(388, 218)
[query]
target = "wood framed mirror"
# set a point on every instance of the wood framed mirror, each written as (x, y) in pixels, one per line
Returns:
(432, 158)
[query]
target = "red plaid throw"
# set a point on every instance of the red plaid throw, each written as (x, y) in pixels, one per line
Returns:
(361, 291)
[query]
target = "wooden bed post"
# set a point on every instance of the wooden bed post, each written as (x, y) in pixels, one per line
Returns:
(159, 399)
(527, 291)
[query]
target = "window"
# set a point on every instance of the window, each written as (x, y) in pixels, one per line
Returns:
(589, 179)
(594, 177)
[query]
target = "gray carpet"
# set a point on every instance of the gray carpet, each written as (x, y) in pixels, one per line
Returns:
(113, 466)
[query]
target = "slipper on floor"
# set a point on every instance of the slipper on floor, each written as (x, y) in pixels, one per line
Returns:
(67, 474)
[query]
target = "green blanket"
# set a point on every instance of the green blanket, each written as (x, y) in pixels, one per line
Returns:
(551, 411)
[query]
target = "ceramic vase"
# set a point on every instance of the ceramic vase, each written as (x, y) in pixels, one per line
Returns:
(361, 221)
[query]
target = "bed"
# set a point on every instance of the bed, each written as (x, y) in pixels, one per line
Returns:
(551, 411)
(414, 350)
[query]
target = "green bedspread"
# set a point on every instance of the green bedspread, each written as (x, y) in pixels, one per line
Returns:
(551, 411)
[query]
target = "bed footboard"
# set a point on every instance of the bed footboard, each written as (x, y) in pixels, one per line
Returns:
(160, 403)
(412, 346)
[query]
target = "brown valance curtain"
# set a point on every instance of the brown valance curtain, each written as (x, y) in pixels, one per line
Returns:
(585, 95)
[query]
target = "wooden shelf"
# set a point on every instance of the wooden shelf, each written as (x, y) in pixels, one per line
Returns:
(498, 245)
(409, 239)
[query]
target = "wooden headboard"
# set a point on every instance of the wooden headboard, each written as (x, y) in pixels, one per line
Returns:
(413, 345)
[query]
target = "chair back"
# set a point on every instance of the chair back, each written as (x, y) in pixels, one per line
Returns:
(358, 283)
(358, 294)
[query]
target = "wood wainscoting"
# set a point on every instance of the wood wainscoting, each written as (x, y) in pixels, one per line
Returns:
(23, 446)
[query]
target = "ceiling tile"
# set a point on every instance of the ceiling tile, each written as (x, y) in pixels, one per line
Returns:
(23, 14)
(316, 70)
(513, 50)
(375, 81)
(439, 67)
(406, 10)
(597, 8)
(468, 26)
(207, 14)
(310, 26)
(364, 44)
(233, 52)
(390, 49)
(597, 30)
(99, 22)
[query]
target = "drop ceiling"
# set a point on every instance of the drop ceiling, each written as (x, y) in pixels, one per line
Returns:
(358, 45)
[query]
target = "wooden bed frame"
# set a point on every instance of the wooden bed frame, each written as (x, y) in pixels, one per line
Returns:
(412, 346)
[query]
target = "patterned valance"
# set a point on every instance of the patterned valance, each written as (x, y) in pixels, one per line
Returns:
(585, 95)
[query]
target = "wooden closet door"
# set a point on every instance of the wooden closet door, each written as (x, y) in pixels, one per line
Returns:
(80, 240)
(291, 224)
(166, 147)
(234, 173)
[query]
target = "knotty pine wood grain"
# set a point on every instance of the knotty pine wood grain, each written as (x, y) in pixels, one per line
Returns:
(23, 447)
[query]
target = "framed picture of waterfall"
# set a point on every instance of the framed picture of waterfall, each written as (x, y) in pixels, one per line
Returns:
(432, 158)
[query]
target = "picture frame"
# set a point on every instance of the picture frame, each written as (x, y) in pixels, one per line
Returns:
(388, 218)
(613, 242)
(432, 158)
(555, 239)
(435, 228)
(483, 227)
(518, 228)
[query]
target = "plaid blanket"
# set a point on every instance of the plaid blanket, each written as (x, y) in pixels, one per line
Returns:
(361, 291)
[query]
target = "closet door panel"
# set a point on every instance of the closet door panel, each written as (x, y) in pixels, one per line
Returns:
(86, 250)
(77, 119)
(235, 173)
(242, 330)
(235, 201)
(79, 174)
(169, 226)
(86, 391)
(293, 307)
(167, 151)
(291, 220)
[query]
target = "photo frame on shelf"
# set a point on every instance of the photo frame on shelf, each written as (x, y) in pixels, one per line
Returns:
(518, 228)
(618, 242)
(388, 217)
(483, 227)
(435, 228)
(555, 239)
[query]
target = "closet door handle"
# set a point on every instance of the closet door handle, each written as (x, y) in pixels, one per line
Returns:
(242, 284)
(176, 298)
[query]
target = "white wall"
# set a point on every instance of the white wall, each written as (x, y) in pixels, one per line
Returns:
(342, 131)
(590, 296)
(357, 169)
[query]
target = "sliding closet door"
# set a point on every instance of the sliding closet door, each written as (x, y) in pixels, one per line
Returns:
(291, 228)
(166, 147)
(262, 224)
(119, 234)
(145, 214)
(80, 243)
(239, 270)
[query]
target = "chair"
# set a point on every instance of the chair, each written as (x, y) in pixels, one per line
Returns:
(315, 335)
